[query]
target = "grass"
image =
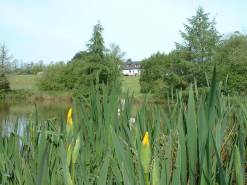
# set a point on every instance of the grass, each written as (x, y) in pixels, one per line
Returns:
(200, 140)
(131, 84)
(29, 82)
(25, 82)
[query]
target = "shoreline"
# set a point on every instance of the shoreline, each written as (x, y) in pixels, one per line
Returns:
(27, 95)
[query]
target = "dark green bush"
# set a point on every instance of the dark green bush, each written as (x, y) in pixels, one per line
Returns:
(162, 73)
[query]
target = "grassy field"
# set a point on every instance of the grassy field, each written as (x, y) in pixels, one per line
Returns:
(29, 82)
(131, 84)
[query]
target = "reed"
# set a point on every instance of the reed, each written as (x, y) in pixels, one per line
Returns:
(201, 140)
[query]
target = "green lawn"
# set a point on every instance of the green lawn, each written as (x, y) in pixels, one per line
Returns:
(131, 84)
(27, 82)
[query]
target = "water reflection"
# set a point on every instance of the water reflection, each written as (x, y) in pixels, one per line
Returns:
(13, 113)
(7, 126)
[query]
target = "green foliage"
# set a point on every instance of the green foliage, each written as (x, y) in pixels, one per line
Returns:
(232, 59)
(53, 77)
(115, 54)
(153, 70)
(96, 43)
(4, 58)
(200, 38)
(91, 67)
(15, 95)
(202, 142)
(4, 83)
(86, 73)
(170, 72)
(30, 68)
(194, 59)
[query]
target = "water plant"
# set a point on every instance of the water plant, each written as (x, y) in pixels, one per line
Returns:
(201, 140)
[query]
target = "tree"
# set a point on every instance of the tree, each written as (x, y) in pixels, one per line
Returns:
(14, 65)
(115, 52)
(200, 38)
(231, 56)
(168, 72)
(105, 72)
(165, 72)
(94, 66)
(54, 77)
(96, 43)
(4, 83)
(115, 55)
(4, 58)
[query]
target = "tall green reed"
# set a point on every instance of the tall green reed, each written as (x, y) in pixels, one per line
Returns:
(200, 140)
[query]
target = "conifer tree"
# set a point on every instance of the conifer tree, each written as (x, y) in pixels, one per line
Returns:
(200, 38)
(96, 43)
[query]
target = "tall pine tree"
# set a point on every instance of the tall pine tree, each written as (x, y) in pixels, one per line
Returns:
(200, 38)
(96, 43)
(95, 65)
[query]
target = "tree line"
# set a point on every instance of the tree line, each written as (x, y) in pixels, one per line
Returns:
(193, 60)
(97, 65)
(11, 65)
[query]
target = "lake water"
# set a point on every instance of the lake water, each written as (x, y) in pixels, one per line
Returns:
(22, 112)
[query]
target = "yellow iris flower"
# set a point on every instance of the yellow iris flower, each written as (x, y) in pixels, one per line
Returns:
(69, 118)
(145, 153)
(145, 140)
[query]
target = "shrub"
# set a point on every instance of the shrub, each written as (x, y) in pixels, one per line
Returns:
(4, 83)
(53, 78)
(167, 72)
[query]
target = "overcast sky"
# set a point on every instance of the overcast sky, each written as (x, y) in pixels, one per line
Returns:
(54, 30)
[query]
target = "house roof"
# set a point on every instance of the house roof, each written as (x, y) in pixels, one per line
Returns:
(131, 65)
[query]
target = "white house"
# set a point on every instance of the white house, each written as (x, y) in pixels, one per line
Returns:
(131, 68)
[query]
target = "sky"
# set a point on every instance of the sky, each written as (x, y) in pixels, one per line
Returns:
(54, 30)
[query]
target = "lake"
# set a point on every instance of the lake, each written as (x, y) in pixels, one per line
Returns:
(22, 112)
